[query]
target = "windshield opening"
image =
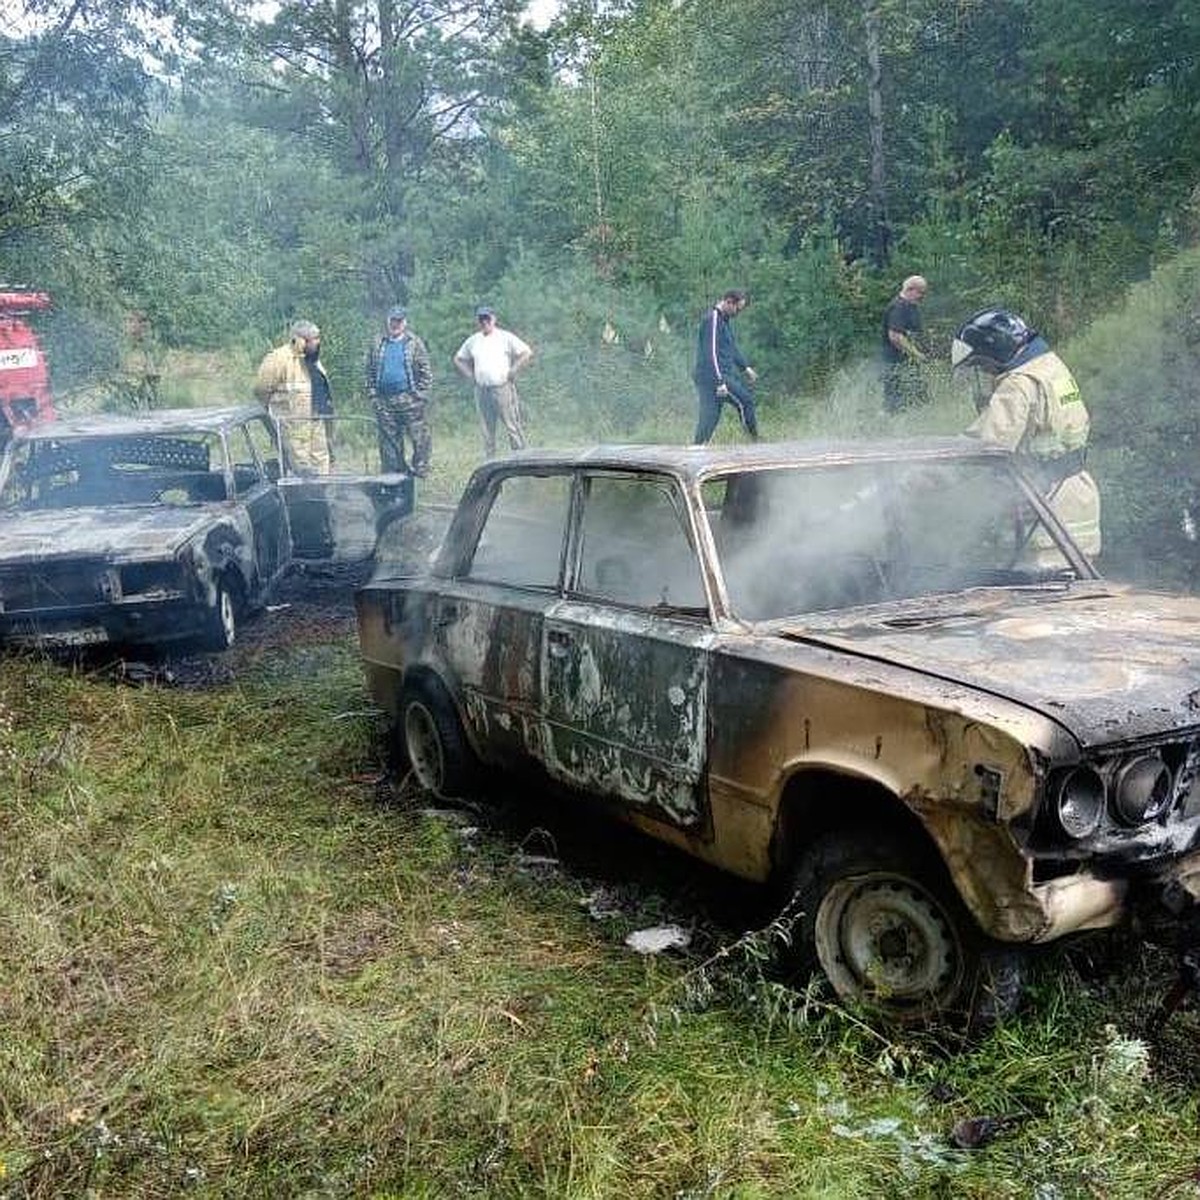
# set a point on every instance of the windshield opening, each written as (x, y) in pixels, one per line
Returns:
(182, 468)
(828, 537)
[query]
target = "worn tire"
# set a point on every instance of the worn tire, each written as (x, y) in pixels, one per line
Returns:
(221, 620)
(879, 917)
(434, 742)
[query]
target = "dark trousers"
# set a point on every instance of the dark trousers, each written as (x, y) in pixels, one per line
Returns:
(904, 386)
(397, 416)
(710, 410)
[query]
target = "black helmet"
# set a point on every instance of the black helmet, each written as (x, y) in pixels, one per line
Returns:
(990, 339)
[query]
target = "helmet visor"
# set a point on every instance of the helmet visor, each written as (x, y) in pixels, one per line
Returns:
(960, 352)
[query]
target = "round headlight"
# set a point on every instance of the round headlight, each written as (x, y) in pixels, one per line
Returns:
(1080, 802)
(1141, 789)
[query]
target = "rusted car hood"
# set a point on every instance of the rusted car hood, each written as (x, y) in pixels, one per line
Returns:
(153, 531)
(1108, 663)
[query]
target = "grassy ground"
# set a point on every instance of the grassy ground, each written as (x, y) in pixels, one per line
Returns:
(239, 963)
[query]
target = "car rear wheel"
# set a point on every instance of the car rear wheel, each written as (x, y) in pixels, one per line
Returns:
(434, 741)
(884, 924)
(221, 619)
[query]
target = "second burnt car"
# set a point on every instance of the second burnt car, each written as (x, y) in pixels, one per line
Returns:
(151, 528)
(880, 677)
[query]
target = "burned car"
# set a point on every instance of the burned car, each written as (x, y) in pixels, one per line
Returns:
(880, 677)
(164, 526)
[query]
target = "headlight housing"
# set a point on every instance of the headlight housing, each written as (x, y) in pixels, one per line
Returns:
(1079, 802)
(1110, 797)
(1141, 789)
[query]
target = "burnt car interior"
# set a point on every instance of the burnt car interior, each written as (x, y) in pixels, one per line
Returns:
(634, 546)
(635, 549)
(839, 536)
(180, 469)
(521, 543)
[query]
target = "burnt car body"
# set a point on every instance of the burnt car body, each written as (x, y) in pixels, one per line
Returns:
(880, 676)
(158, 527)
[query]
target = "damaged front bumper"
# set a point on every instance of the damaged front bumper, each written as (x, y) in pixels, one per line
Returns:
(133, 622)
(1162, 905)
(1167, 913)
(1166, 906)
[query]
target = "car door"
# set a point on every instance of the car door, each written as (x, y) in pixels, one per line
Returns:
(486, 619)
(338, 517)
(625, 654)
(255, 492)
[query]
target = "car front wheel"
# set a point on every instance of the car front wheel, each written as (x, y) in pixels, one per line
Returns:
(884, 924)
(221, 618)
(436, 746)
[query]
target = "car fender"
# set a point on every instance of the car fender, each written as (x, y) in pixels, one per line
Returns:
(225, 549)
(980, 853)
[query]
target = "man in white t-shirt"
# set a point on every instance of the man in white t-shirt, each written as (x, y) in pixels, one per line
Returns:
(491, 359)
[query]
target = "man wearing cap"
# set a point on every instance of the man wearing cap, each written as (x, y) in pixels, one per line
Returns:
(293, 387)
(398, 381)
(491, 358)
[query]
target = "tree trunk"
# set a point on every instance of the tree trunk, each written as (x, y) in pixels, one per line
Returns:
(877, 187)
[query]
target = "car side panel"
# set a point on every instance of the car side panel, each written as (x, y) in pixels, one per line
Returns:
(483, 640)
(625, 707)
(482, 644)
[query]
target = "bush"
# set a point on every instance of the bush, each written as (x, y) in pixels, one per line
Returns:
(1139, 368)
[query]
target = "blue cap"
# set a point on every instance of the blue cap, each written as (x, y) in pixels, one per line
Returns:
(398, 313)
(484, 311)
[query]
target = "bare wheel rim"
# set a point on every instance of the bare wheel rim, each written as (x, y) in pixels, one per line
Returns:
(425, 750)
(227, 615)
(884, 938)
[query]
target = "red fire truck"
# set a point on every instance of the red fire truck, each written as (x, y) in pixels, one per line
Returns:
(24, 375)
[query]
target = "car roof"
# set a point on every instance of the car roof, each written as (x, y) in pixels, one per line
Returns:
(165, 420)
(698, 462)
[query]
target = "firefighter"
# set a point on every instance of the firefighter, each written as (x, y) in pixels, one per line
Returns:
(293, 387)
(1033, 408)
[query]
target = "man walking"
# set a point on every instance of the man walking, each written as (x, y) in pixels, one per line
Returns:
(398, 381)
(491, 358)
(903, 383)
(293, 387)
(719, 365)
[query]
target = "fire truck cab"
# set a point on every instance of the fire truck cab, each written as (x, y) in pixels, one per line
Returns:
(24, 375)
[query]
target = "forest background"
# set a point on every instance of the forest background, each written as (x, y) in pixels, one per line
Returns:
(187, 179)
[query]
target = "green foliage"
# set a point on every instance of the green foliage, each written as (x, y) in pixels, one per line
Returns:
(614, 387)
(74, 99)
(620, 169)
(811, 313)
(1139, 367)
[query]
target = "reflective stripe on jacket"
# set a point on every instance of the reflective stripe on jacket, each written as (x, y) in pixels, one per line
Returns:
(1035, 409)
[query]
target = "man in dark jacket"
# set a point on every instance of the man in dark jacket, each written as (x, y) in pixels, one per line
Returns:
(398, 381)
(719, 368)
(903, 382)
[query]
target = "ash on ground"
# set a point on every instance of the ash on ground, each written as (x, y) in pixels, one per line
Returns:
(311, 607)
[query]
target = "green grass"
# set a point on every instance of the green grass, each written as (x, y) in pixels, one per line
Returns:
(235, 967)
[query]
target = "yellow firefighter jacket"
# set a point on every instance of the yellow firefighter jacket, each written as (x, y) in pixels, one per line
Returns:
(1037, 412)
(283, 386)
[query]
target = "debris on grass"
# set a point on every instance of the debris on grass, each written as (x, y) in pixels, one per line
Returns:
(658, 939)
(602, 903)
(536, 864)
(971, 1133)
